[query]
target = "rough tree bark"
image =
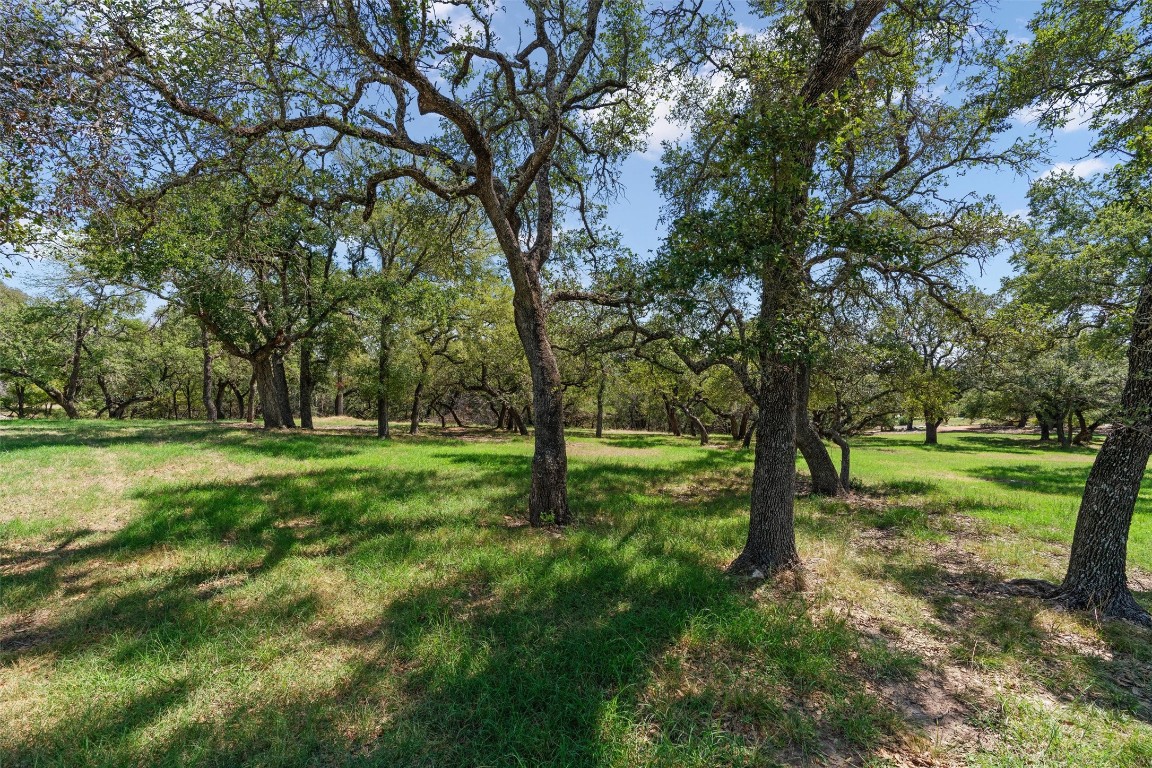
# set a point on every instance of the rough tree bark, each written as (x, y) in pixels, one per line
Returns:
(272, 389)
(1096, 578)
(771, 542)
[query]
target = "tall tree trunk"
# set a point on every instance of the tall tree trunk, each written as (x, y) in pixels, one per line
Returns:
(600, 404)
(931, 423)
(383, 374)
(1096, 578)
(825, 481)
(414, 427)
(771, 542)
(307, 384)
(210, 412)
(548, 498)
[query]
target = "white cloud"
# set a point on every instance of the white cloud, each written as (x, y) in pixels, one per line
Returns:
(663, 129)
(1081, 168)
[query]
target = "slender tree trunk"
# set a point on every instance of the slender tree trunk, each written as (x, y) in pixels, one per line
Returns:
(250, 411)
(210, 412)
(414, 427)
(930, 425)
(19, 390)
(1061, 434)
(744, 416)
(383, 374)
(338, 405)
(1022, 422)
(845, 460)
(749, 433)
(501, 416)
(1096, 578)
(516, 421)
(455, 418)
(218, 400)
(307, 385)
(910, 424)
(600, 405)
(771, 542)
(825, 481)
(673, 422)
(697, 425)
(548, 498)
(283, 399)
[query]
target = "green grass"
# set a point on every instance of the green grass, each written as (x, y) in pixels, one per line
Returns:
(177, 594)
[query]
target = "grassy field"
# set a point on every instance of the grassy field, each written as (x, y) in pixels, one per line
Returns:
(177, 594)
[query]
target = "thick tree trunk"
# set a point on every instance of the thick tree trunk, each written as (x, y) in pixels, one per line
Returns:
(1022, 422)
(210, 411)
(771, 543)
(1045, 428)
(19, 390)
(1096, 578)
(548, 498)
(931, 423)
(282, 397)
(264, 370)
(825, 481)
(218, 400)
(1061, 433)
(501, 415)
(307, 385)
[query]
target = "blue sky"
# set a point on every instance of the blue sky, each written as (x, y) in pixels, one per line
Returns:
(636, 214)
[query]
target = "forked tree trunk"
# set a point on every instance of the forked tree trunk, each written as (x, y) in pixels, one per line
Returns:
(825, 481)
(771, 542)
(1096, 578)
(211, 413)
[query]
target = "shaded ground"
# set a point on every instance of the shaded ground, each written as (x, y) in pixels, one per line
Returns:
(192, 595)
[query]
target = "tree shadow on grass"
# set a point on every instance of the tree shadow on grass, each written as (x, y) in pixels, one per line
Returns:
(345, 617)
(982, 627)
(967, 442)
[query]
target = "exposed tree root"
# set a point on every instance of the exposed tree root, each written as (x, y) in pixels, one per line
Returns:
(1122, 607)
